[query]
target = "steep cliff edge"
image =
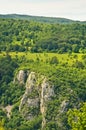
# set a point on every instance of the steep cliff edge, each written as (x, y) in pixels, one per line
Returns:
(47, 92)
(29, 105)
(36, 96)
(39, 103)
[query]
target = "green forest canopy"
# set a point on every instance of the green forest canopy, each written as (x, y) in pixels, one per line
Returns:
(22, 35)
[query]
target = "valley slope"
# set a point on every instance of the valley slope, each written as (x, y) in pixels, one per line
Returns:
(42, 74)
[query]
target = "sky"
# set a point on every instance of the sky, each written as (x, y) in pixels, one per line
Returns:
(71, 9)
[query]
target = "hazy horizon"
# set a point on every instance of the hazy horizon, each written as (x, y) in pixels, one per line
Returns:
(70, 9)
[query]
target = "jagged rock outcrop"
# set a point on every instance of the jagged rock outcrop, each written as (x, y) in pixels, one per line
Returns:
(7, 109)
(21, 77)
(63, 106)
(30, 99)
(35, 98)
(47, 92)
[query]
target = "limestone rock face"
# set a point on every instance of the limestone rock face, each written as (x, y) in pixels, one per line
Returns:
(30, 99)
(64, 105)
(47, 92)
(31, 80)
(21, 76)
(35, 98)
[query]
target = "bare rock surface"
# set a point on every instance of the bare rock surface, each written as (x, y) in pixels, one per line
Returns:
(35, 98)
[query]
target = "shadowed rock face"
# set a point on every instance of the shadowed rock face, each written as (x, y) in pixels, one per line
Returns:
(35, 98)
(47, 93)
(21, 77)
(30, 99)
(64, 105)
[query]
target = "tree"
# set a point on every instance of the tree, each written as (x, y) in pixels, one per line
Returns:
(77, 118)
(78, 64)
(1, 125)
(54, 60)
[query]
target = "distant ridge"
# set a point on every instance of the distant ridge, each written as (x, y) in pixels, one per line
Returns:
(38, 18)
(42, 19)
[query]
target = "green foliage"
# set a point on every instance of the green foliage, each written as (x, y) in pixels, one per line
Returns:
(1, 126)
(69, 85)
(66, 72)
(54, 60)
(51, 126)
(78, 64)
(21, 35)
(7, 68)
(77, 118)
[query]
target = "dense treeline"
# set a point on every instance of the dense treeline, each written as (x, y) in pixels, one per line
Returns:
(21, 35)
(7, 69)
(38, 18)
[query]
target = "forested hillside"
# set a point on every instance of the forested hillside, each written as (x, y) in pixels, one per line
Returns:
(42, 75)
(21, 35)
(38, 18)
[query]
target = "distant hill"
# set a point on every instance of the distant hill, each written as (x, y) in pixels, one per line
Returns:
(39, 18)
(23, 35)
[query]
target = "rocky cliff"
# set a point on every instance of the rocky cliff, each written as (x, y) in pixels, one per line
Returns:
(39, 104)
(37, 94)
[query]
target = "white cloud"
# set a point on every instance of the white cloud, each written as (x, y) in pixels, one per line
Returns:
(74, 9)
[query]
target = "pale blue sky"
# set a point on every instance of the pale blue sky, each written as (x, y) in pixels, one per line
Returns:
(72, 9)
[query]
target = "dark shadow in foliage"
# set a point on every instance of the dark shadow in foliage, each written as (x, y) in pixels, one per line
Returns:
(54, 60)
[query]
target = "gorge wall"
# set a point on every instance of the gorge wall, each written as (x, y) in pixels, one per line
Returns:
(38, 92)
